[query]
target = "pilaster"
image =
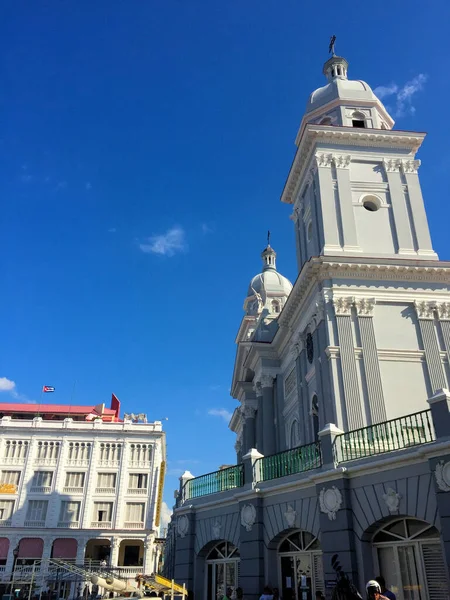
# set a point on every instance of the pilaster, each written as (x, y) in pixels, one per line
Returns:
(20, 510)
(81, 550)
(91, 475)
(148, 556)
(251, 547)
(348, 224)
(352, 400)
(399, 208)
(327, 203)
(418, 212)
(364, 310)
(425, 314)
(259, 416)
(249, 414)
(268, 440)
(115, 545)
(122, 485)
(443, 312)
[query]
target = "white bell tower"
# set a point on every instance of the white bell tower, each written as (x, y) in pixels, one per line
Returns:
(354, 182)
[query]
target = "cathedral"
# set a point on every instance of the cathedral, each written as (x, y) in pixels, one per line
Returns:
(341, 381)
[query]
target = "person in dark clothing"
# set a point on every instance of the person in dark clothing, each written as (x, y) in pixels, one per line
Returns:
(381, 580)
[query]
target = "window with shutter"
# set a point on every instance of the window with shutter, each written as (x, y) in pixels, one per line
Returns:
(318, 573)
(6, 509)
(434, 571)
(10, 477)
(69, 512)
(37, 511)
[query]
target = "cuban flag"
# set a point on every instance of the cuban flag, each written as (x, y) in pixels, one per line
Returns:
(48, 388)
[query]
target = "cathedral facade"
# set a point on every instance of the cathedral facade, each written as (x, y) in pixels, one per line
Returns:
(343, 424)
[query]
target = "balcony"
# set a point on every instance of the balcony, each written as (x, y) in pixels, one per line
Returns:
(128, 571)
(105, 490)
(69, 524)
(133, 525)
(289, 462)
(5, 523)
(34, 523)
(137, 491)
(77, 462)
(101, 524)
(73, 490)
(396, 434)
(212, 483)
(41, 489)
(46, 462)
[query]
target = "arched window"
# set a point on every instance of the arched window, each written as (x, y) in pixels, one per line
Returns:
(410, 557)
(301, 563)
(315, 417)
(222, 563)
(294, 441)
(309, 231)
(325, 121)
(358, 120)
(275, 306)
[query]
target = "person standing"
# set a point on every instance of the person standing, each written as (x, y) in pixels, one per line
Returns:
(381, 580)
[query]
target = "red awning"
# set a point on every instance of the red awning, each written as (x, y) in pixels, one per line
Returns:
(30, 548)
(4, 547)
(64, 548)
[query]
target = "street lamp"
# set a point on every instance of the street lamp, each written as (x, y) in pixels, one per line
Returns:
(15, 554)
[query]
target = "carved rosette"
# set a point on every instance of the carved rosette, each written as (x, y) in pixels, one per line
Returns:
(342, 161)
(392, 165)
(392, 500)
(425, 310)
(342, 305)
(443, 310)
(442, 475)
(410, 166)
(290, 515)
(365, 306)
(182, 526)
(266, 380)
(330, 501)
(248, 516)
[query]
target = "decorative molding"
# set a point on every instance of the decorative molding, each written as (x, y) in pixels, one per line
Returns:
(330, 501)
(266, 380)
(323, 160)
(342, 161)
(443, 311)
(343, 305)
(290, 382)
(425, 310)
(238, 446)
(182, 526)
(295, 215)
(442, 474)
(215, 529)
(392, 500)
(290, 515)
(248, 412)
(248, 516)
(365, 306)
(392, 165)
(410, 166)
(257, 388)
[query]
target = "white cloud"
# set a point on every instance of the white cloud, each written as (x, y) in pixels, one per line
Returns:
(220, 412)
(166, 513)
(402, 95)
(166, 244)
(6, 385)
(88, 185)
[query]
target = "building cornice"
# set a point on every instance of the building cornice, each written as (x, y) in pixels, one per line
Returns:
(340, 135)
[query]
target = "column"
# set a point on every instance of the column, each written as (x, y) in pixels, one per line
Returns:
(352, 400)
(328, 212)
(249, 413)
(268, 425)
(418, 212)
(121, 487)
(81, 550)
(364, 309)
(185, 556)
(443, 311)
(259, 416)
(46, 555)
(399, 208)
(13, 543)
(425, 313)
(148, 556)
(19, 514)
(238, 450)
(91, 480)
(114, 556)
(342, 164)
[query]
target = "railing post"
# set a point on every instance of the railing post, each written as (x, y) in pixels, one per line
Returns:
(327, 436)
(249, 463)
(440, 407)
(187, 476)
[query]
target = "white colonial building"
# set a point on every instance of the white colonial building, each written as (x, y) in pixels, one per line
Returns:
(343, 423)
(80, 484)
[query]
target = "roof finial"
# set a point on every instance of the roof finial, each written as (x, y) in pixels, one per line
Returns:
(331, 46)
(268, 238)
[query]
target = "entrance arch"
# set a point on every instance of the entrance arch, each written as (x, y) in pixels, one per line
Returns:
(300, 564)
(222, 570)
(408, 553)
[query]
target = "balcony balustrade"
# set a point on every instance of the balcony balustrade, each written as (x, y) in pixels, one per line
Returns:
(289, 462)
(212, 483)
(101, 524)
(137, 491)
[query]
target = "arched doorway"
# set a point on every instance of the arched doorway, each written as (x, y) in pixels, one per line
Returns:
(222, 570)
(301, 570)
(408, 553)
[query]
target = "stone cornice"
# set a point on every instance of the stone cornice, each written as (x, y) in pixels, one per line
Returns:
(312, 134)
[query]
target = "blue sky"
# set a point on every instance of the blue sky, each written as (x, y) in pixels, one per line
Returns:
(143, 149)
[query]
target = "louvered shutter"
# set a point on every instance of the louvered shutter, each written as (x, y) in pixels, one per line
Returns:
(435, 572)
(318, 573)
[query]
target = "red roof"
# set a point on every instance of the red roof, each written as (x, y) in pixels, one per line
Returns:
(107, 414)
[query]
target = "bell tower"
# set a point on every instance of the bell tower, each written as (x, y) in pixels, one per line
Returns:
(354, 182)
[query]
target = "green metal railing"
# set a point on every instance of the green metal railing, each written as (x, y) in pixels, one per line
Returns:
(296, 460)
(396, 434)
(212, 483)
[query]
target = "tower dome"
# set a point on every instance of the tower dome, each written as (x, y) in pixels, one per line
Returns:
(269, 289)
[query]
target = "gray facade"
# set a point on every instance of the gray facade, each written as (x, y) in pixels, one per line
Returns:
(343, 426)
